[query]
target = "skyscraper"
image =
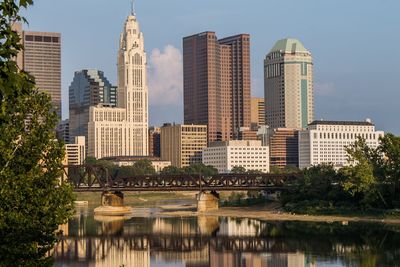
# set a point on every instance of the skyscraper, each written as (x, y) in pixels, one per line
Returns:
(288, 84)
(41, 57)
(217, 83)
(88, 88)
(123, 131)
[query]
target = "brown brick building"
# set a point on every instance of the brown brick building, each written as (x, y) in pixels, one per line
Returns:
(41, 57)
(217, 83)
(284, 147)
(154, 142)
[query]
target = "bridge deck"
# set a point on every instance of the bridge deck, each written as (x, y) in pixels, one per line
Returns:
(94, 178)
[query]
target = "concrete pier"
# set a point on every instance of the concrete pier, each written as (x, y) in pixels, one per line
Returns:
(112, 204)
(207, 201)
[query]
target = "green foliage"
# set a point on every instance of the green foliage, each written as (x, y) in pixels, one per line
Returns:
(284, 170)
(242, 170)
(200, 169)
(171, 170)
(371, 182)
(238, 170)
(143, 167)
(318, 183)
(32, 204)
(140, 167)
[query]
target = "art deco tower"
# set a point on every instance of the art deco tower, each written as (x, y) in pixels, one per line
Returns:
(122, 130)
(132, 83)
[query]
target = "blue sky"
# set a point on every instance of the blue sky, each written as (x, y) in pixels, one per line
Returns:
(355, 46)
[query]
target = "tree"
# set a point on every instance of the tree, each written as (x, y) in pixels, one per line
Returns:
(171, 170)
(238, 170)
(143, 167)
(289, 169)
(386, 163)
(360, 179)
(32, 203)
(200, 169)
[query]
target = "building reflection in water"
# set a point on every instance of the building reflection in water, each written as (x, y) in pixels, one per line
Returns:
(198, 241)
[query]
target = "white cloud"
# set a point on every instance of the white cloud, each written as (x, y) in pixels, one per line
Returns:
(166, 77)
(324, 88)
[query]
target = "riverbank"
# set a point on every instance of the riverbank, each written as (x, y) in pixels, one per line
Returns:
(271, 212)
(178, 205)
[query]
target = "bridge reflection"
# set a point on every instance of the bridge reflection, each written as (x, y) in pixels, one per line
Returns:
(202, 241)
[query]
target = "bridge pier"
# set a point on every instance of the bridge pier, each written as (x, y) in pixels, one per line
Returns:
(112, 204)
(207, 201)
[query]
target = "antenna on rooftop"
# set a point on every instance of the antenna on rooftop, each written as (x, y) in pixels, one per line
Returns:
(133, 7)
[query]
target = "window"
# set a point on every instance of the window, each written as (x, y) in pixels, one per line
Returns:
(38, 39)
(29, 38)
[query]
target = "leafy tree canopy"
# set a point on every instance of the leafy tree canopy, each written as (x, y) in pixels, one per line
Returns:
(32, 203)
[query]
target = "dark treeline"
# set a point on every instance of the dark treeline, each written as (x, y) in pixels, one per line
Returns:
(371, 182)
(144, 167)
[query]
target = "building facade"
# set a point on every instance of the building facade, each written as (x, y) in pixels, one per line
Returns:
(62, 131)
(154, 142)
(227, 154)
(76, 152)
(88, 88)
(283, 145)
(183, 144)
(123, 131)
(288, 85)
(217, 83)
(257, 112)
(326, 141)
(41, 57)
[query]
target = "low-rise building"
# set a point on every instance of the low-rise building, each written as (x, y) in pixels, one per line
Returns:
(249, 154)
(326, 141)
(183, 144)
(76, 152)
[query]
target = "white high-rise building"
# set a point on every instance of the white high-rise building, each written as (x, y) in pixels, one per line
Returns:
(122, 131)
(326, 141)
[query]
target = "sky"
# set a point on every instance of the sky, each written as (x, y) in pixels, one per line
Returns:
(355, 46)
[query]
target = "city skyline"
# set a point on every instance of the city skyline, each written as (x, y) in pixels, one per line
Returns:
(348, 86)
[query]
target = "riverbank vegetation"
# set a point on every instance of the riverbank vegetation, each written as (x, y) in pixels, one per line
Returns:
(370, 185)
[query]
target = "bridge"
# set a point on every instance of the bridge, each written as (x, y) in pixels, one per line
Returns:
(97, 178)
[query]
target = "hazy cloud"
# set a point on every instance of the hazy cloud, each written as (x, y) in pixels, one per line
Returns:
(324, 88)
(166, 77)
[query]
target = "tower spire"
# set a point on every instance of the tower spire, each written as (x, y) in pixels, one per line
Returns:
(132, 7)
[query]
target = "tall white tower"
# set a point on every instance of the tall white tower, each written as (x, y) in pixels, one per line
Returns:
(122, 130)
(132, 84)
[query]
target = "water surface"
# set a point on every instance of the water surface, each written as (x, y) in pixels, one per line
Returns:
(219, 241)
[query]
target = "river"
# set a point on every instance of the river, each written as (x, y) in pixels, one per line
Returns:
(151, 240)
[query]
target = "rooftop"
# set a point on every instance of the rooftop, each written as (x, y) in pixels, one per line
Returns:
(288, 45)
(353, 123)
